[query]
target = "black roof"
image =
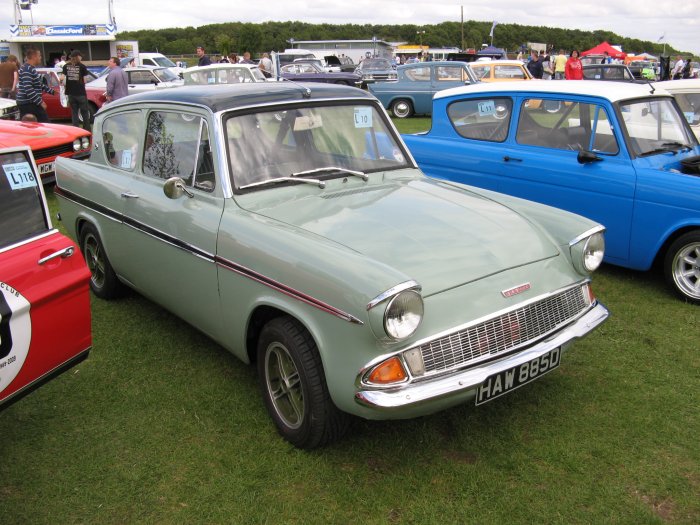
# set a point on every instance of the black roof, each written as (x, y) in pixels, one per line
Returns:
(223, 97)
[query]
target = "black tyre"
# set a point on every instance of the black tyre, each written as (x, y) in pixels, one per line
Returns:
(682, 266)
(402, 108)
(294, 386)
(103, 281)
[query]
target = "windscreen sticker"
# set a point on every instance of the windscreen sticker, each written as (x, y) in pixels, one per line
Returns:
(20, 175)
(487, 107)
(126, 159)
(363, 117)
(15, 333)
(689, 116)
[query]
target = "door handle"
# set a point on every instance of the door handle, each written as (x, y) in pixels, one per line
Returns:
(63, 254)
(513, 159)
(129, 195)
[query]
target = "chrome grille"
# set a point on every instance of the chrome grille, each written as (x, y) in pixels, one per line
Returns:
(503, 333)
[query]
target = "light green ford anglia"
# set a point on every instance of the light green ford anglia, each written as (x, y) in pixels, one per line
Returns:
(290, 224)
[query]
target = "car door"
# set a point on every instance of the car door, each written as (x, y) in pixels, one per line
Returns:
(54, 108)
(175, 237)
(44, 293)
(141, 80)
(417, 85)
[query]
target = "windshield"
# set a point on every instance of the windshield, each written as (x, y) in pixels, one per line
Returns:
(655, 126)
(165, 75)
(275, 144)
(164, 62)
(375, 63)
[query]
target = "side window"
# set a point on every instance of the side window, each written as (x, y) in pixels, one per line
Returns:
(140, 77)
(482, 119)
(418, 74)
(120, 139)
(508, 73)
(565, 124)
(481, 72)
(177, 145)
(449, 74)
(690, 106)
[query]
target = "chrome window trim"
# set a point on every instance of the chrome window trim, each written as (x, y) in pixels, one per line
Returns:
(407, 285)
(588, 233)
(29, 240)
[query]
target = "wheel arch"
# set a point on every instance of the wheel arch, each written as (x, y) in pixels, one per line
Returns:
(259, 317)
(660, 255)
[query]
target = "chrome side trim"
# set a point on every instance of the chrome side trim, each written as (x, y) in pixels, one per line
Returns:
(466, 382)
(286, 290)
(592, 231)
(408, 285)
(28, 240)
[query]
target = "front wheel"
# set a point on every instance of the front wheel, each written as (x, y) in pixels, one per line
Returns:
(294, 386)
(682, 266)
(103, 281)
(402, 108)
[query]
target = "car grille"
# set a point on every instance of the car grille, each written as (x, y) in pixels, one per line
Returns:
(46, 153)
(504, 333)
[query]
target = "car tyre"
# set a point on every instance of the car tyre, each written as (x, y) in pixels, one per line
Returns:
(294, 386)
(103, 281)
(682, 266)
(402, 108)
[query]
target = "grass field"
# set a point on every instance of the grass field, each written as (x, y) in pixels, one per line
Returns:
(160, 425)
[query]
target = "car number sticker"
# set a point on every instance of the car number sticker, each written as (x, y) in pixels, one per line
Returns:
(20, 175)
(487, 107)
(363, 117)
(15, 333)
(689, 116)
(126, 159)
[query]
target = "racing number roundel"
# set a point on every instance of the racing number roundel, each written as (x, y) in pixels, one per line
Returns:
(15, 333)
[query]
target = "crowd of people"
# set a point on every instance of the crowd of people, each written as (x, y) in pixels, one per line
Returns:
(264, 64)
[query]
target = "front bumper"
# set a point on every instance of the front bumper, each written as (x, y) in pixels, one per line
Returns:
(424, 397)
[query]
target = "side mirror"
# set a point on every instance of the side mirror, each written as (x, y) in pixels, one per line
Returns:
(174, 188)
(586, 157)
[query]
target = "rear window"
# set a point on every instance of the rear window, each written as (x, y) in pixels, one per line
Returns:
(22, 212)
(482, 119)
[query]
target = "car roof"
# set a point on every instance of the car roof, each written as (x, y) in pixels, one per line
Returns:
(433, 63)
(613, 91)
(687, 84)
(220, 65)
(223, 97)
(488, 61)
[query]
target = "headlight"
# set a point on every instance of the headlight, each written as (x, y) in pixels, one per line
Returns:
(85, 142)
(403, 314)
(76, 145)
(587, 252)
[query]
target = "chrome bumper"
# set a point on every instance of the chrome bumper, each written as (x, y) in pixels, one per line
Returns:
(462, 385)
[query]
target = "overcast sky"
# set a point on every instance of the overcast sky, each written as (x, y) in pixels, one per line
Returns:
(678, 22)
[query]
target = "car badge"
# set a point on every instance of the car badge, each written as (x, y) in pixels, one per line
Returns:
(516, 290)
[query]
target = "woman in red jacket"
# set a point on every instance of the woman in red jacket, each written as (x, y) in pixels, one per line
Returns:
(574, 68)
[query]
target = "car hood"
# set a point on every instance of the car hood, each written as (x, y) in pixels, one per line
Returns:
(36, 134)
(437, 234)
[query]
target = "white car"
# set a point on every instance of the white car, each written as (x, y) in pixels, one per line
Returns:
(320, 63)
(223, 73)
(8, 109)
(687, 94)
(144, 78)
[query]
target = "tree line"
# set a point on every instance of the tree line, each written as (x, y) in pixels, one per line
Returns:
(275, 36)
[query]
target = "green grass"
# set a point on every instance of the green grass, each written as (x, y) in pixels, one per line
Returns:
(161, 425)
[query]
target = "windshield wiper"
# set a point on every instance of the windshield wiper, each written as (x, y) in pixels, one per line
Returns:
(360, 174)
(277, 180)
(667, 147)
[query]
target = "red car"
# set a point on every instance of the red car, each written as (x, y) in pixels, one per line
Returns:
(60, 110)
(47, 142)
(44, 290)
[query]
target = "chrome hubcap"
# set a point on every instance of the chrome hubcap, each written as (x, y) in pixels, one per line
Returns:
(686, 270)
(284, 385)
(95, 261)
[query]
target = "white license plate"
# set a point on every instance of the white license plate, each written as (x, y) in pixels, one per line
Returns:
(508, 380)
(48, 167)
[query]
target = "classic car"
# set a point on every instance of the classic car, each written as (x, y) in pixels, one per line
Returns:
(320, 63)
(376, 70)
(613, 72)
(8, 109)
(417, 83)
(290, 224)
(310, 72)
(687, 94)
(143, 78)
(222, 73)
(57, 104)
(343, 62)
(643, 69)
(47, 141)
(44, 292)
(499, 70)
(623, 156)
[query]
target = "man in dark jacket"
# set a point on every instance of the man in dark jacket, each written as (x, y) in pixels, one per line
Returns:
(74, 73)
(534, 66)
(204, 60)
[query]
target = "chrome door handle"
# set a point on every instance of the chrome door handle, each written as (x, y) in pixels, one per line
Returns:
(129, 195)
(64, 253)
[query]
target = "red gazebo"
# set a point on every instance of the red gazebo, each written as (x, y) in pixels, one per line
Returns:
(602, 48)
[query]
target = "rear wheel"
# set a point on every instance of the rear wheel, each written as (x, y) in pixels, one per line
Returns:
(103, 281)
(402, 108)
(682, 266)
(294, 386)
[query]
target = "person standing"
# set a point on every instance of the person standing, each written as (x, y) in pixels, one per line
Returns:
(560, 66)
(574, 67)
(30, 87)
(677, 69)
(9, 77)
(266, 65)
(204, 59)
(117, 81)
(74, 73)
(246, 58)
(534, 66)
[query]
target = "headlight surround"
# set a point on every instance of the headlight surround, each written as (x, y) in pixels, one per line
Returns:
(85, 142)
(76, 145)
(403, 314)
(587, 253)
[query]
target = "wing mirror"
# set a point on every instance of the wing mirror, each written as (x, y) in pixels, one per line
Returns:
(586, 157)
(174, 188)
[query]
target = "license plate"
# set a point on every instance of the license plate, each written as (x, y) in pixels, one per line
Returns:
(48, 167)
(508, 380)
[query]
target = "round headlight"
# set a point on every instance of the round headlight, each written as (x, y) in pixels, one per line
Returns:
(403, 314)
(593, 252)
(85, 142)
(76, 145)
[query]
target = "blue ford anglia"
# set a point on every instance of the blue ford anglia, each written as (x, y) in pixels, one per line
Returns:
(620, 154)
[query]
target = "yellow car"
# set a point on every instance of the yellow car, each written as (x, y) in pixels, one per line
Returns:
(500, 70)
